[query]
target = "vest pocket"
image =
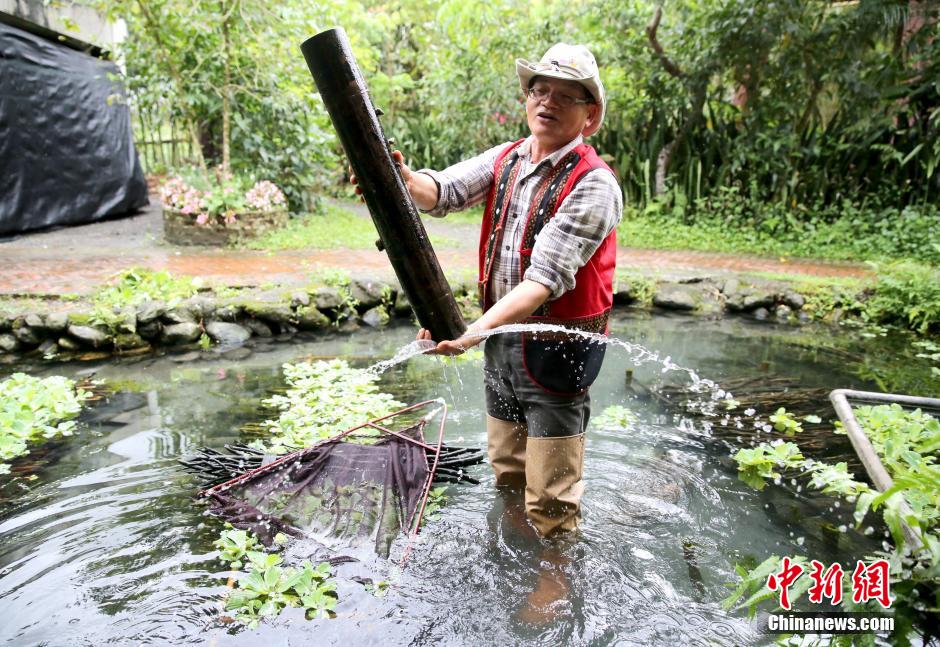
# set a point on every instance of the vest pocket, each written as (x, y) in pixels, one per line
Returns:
(561, 363)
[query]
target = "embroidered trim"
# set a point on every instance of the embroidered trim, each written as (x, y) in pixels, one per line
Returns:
(508, 173)
(596, 323)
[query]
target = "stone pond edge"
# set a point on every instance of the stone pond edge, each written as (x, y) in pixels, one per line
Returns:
(230, 322)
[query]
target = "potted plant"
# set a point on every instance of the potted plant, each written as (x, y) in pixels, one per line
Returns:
(216, 211)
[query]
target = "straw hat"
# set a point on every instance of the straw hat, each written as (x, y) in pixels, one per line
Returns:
(569, 63)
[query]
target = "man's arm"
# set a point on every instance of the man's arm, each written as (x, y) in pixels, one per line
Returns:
(522, 301)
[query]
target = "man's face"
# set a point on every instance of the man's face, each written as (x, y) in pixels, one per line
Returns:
(552, 122)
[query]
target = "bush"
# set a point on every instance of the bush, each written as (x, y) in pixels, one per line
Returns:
(907, 293)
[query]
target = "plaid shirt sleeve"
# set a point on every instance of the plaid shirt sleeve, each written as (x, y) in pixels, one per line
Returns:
(582, 222)
(464, 184)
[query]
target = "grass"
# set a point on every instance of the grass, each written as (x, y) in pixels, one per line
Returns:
(331, 227)
(841, 240)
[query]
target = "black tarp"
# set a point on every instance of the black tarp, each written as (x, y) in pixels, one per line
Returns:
(67, 152)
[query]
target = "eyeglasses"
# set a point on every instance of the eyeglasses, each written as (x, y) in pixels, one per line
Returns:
(541, 94)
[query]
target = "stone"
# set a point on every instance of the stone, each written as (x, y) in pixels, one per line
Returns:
(368, 293)
(79, 319)
(56, 322)
(93, 357)
(201, 307)
(309, 318)
(8, 343)
(179, 315)
(350, 325)
(675, 297)
(48, 348)
(181, 333)
(782, 312)
(299, 299)
(89, 336)
(126, 322)
(150, 330)
(327, 298)
(730, 287)
(227, 334)
(26, 335)
(803, 317)
(761, 314)
(68, 344)
(757, 300)
(5, 324)
(146, 349)
(795, 300)
(279, 313)
(150, 311)
(258, 328)
(228, 312)
(402, 307)
(375, 317)
(129, 341)
(34, 321)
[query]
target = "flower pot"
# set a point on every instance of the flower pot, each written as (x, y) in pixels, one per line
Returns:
(182, 229)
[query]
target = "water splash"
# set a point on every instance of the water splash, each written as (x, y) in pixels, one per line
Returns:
(638, 354)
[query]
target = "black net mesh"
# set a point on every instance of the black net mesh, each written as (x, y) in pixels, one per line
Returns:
(343, 494)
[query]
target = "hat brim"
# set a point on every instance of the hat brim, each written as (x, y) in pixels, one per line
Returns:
(526, 71)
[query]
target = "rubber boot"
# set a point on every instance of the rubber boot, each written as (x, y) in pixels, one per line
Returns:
(506, 445)
(554, 468)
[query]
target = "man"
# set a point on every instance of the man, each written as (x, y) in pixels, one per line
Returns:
(547, 254)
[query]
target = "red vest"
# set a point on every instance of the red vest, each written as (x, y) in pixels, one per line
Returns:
(587, 305)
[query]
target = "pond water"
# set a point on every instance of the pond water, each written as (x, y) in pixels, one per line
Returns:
(106, 544)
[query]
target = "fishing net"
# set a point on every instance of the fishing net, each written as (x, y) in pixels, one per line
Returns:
(362, 488)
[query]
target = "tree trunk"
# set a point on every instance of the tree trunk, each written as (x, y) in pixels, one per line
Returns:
(226, 88)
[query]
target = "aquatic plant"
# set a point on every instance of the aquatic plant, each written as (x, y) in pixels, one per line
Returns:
(437, 498)
(267, 588)
(34, 410)
(615, 417)
(234, 545)
(908, 443)
(787, 423)
(323, 399)
(136, 285)
(759, 463)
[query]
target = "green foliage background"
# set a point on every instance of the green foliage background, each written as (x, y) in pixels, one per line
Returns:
(782, 117)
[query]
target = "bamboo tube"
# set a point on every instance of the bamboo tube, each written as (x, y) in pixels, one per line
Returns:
(409, 250)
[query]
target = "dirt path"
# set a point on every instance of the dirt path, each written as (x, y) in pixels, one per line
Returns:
(76, 260)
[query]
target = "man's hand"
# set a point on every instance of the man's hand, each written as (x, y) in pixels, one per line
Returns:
(522, 301)
(398, 158)
(451, 347)
(422, 188)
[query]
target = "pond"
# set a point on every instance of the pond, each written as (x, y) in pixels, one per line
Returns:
(106, 544)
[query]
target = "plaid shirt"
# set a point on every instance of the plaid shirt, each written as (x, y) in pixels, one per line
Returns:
(566, 242)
